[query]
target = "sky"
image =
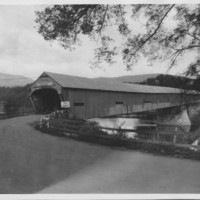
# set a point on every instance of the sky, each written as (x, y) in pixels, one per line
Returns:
(23, 51)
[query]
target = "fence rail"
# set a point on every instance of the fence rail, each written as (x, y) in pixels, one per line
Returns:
(86, 131)
(79, 127)
(180, 133)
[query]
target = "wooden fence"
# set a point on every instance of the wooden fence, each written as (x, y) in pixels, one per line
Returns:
(82, 127)
(71, 126)
(87, 131)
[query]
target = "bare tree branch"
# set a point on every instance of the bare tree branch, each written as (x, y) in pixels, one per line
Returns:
(155, 31)
(173, 57)
(173, 60)
(193, 36)
(103, 20)
(188, 47)
(104, 17)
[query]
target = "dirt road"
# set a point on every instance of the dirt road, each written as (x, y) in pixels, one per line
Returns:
(32, 162)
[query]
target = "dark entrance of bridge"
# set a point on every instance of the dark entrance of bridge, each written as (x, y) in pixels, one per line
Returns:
(46, 100)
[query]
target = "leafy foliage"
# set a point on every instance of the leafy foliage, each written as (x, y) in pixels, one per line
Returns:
(174, 82)
(11, 106)
(169, 31)
(15, 98)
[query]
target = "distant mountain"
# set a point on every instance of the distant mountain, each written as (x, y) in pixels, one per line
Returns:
(9, 80)
(131, 78)
(162, 80)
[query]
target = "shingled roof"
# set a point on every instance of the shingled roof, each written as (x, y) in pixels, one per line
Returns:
(68, 81)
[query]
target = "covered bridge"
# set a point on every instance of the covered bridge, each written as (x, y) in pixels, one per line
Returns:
(100, 97)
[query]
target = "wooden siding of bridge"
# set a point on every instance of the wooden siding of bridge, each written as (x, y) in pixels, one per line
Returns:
(92, 104)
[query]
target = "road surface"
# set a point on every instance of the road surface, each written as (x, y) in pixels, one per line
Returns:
(34, 162)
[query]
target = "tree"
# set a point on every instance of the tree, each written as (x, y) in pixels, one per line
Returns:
(169, 31)
(172, 81)
(11, 106)
(16, 99)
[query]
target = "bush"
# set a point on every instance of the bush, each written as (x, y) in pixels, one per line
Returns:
(11, 107)
(15, 99)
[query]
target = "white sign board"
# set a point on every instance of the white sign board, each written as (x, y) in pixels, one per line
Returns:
(44, 83)
(65, 104)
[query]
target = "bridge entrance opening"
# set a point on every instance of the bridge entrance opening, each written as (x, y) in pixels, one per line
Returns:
(46, 100)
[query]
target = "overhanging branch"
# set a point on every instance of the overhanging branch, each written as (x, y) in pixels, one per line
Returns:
(154, 32)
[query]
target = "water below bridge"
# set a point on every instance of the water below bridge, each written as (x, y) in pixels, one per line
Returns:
(33, 162)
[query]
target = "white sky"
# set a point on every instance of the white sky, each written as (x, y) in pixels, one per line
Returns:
(23, 51)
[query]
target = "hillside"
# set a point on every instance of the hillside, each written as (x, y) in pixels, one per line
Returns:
(162, 80)
(9, 80)
(131, 79)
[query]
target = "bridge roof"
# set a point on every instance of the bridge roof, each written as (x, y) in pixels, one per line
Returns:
(107, 84)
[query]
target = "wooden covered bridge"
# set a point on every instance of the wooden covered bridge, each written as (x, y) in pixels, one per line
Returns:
(100, 97)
